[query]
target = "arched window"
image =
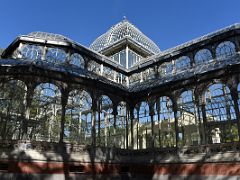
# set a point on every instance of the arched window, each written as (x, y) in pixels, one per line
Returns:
(46, 113)
(188, 125)
(105, 126)
(203, 56)
(55, 55)
(164, 123)
(225, 49)
(77, 60)
(144, 126)
(220, 114)
(182, 63)
(94, 67)
(121, 125)
(108, 73)
(78, 118)
(31, 52)
(12, 98)
(165, 69)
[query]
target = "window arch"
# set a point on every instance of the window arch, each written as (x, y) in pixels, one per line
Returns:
(105, 125)
(78, 117)
(188, 125)
(121, 125)
(56, 55)
(225, 49)
(94, 67)
(217, 98)
(46, 113)
(12, 106)
(164, 123)
(31, 52)
(203, 56)
(219, 107)
(182, 63)
(165, 69)
(77, 60)
(108, 73)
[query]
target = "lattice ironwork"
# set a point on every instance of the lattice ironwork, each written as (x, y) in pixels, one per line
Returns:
(122, 30)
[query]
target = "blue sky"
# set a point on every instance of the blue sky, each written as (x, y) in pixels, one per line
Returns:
(168, 23)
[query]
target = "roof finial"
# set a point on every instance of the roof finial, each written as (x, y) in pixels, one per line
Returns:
(124, 18)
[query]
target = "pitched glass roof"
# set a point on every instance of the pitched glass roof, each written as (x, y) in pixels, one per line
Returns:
(48, 36)
(124, 29)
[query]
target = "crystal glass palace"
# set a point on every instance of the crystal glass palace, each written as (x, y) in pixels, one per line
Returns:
(123, 97)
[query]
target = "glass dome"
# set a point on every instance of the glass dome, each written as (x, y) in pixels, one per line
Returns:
(124, 29)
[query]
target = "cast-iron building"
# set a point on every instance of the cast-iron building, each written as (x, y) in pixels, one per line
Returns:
(123, 97)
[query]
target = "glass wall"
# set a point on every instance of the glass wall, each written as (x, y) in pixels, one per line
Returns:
(220, 114)
(12, 95)
(144, 126)
(46, 113)
(122, 58)
(105, 122)
(164, 123)
(121, 125)
(126, 58)
(133, 58)
(78, 118)
(188, 125)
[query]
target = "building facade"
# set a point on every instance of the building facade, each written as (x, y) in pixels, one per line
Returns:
(120, 108)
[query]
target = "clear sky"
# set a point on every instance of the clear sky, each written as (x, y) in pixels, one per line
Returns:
(167, 22)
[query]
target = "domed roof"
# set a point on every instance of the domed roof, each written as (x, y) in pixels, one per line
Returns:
(124, 29)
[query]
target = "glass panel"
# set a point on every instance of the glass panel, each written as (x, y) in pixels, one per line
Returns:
(133, 58)
(144, 126)
(182, 63)
(55, 55)
(164, 126)
(219, 103)
(78, 118)
(187, 120)
(225, 49)
(108, 73)
(12, 98)
(77, 60)
(202, 56)
(121, 122)
(105, 127)
(220, 114)
(123, 58)
(165, 69)
(46, 113)
(116, 57)
(31, 52)
(94, 67)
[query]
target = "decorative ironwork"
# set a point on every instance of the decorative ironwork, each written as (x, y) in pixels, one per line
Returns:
(168, 101)
(122, 30)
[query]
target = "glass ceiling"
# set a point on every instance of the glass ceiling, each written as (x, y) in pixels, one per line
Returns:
(124, 29)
